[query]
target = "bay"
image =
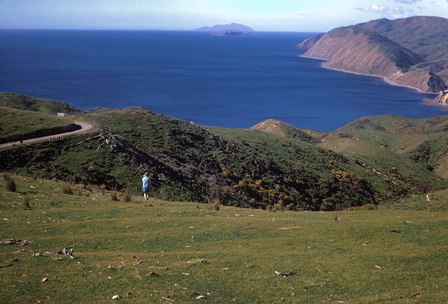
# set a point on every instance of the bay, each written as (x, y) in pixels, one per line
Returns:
(230, 81)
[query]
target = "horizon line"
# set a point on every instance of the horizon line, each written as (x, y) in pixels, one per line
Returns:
(147, 30)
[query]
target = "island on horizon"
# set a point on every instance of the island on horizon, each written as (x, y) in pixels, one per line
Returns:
(231, 29)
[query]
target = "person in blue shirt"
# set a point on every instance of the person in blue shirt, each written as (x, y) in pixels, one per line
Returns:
(146, 180)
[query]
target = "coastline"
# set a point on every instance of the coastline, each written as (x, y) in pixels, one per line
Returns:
(384, 78)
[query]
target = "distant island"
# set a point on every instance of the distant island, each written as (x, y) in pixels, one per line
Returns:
(411, 51)
(232, 29)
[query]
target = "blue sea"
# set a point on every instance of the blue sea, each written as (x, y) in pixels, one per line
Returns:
(230, 81)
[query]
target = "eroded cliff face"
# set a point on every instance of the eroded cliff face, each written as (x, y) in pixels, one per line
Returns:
(442, 98)
(388, 49)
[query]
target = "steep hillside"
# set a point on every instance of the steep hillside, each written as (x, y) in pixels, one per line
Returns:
(411, 51)
(442, 98)
(425, 36)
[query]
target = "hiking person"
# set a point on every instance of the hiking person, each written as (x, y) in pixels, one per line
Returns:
(146, 180)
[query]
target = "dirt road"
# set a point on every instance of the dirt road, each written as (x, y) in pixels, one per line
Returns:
(84, 128)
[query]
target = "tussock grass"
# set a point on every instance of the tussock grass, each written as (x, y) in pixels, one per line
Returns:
(67, 189)
(11, 184)
(114, 196)
(126, 197)
(151, 251)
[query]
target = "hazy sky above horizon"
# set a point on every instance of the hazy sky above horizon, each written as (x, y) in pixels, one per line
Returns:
(262, 15)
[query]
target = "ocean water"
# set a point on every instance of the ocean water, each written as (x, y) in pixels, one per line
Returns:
(234, 81)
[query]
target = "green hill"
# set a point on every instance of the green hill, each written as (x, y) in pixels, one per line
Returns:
(23, 102)
(241, 167)
(424, 141)
(272, 166)
(16, 124)
(24, 117)
(386, 151)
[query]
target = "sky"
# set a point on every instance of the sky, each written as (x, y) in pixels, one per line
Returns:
(262, 15)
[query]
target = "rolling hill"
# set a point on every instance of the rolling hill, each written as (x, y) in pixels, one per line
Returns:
(272, 165)
(424, 141)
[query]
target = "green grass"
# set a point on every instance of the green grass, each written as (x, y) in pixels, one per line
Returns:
(19, 122)
(275, 166)
(399, 148)
(390, 255)
(434, 202)
(23, 102)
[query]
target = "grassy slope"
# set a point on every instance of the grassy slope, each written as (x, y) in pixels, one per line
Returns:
(381, 147)
(23, 102)
(381, 256)
(246, 167)
(423, 141)
(434, 201)
(272, 169)
(312, 158)
(189, 162)
(18, 122)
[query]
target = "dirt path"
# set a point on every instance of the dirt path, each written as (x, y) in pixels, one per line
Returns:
(84, 128)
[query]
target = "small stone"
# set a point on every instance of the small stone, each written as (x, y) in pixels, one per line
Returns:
(138, 262)
(284, 274)
(68, 251)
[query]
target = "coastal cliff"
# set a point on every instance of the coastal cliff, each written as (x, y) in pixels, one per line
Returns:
(442, 98)
(411, 51)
